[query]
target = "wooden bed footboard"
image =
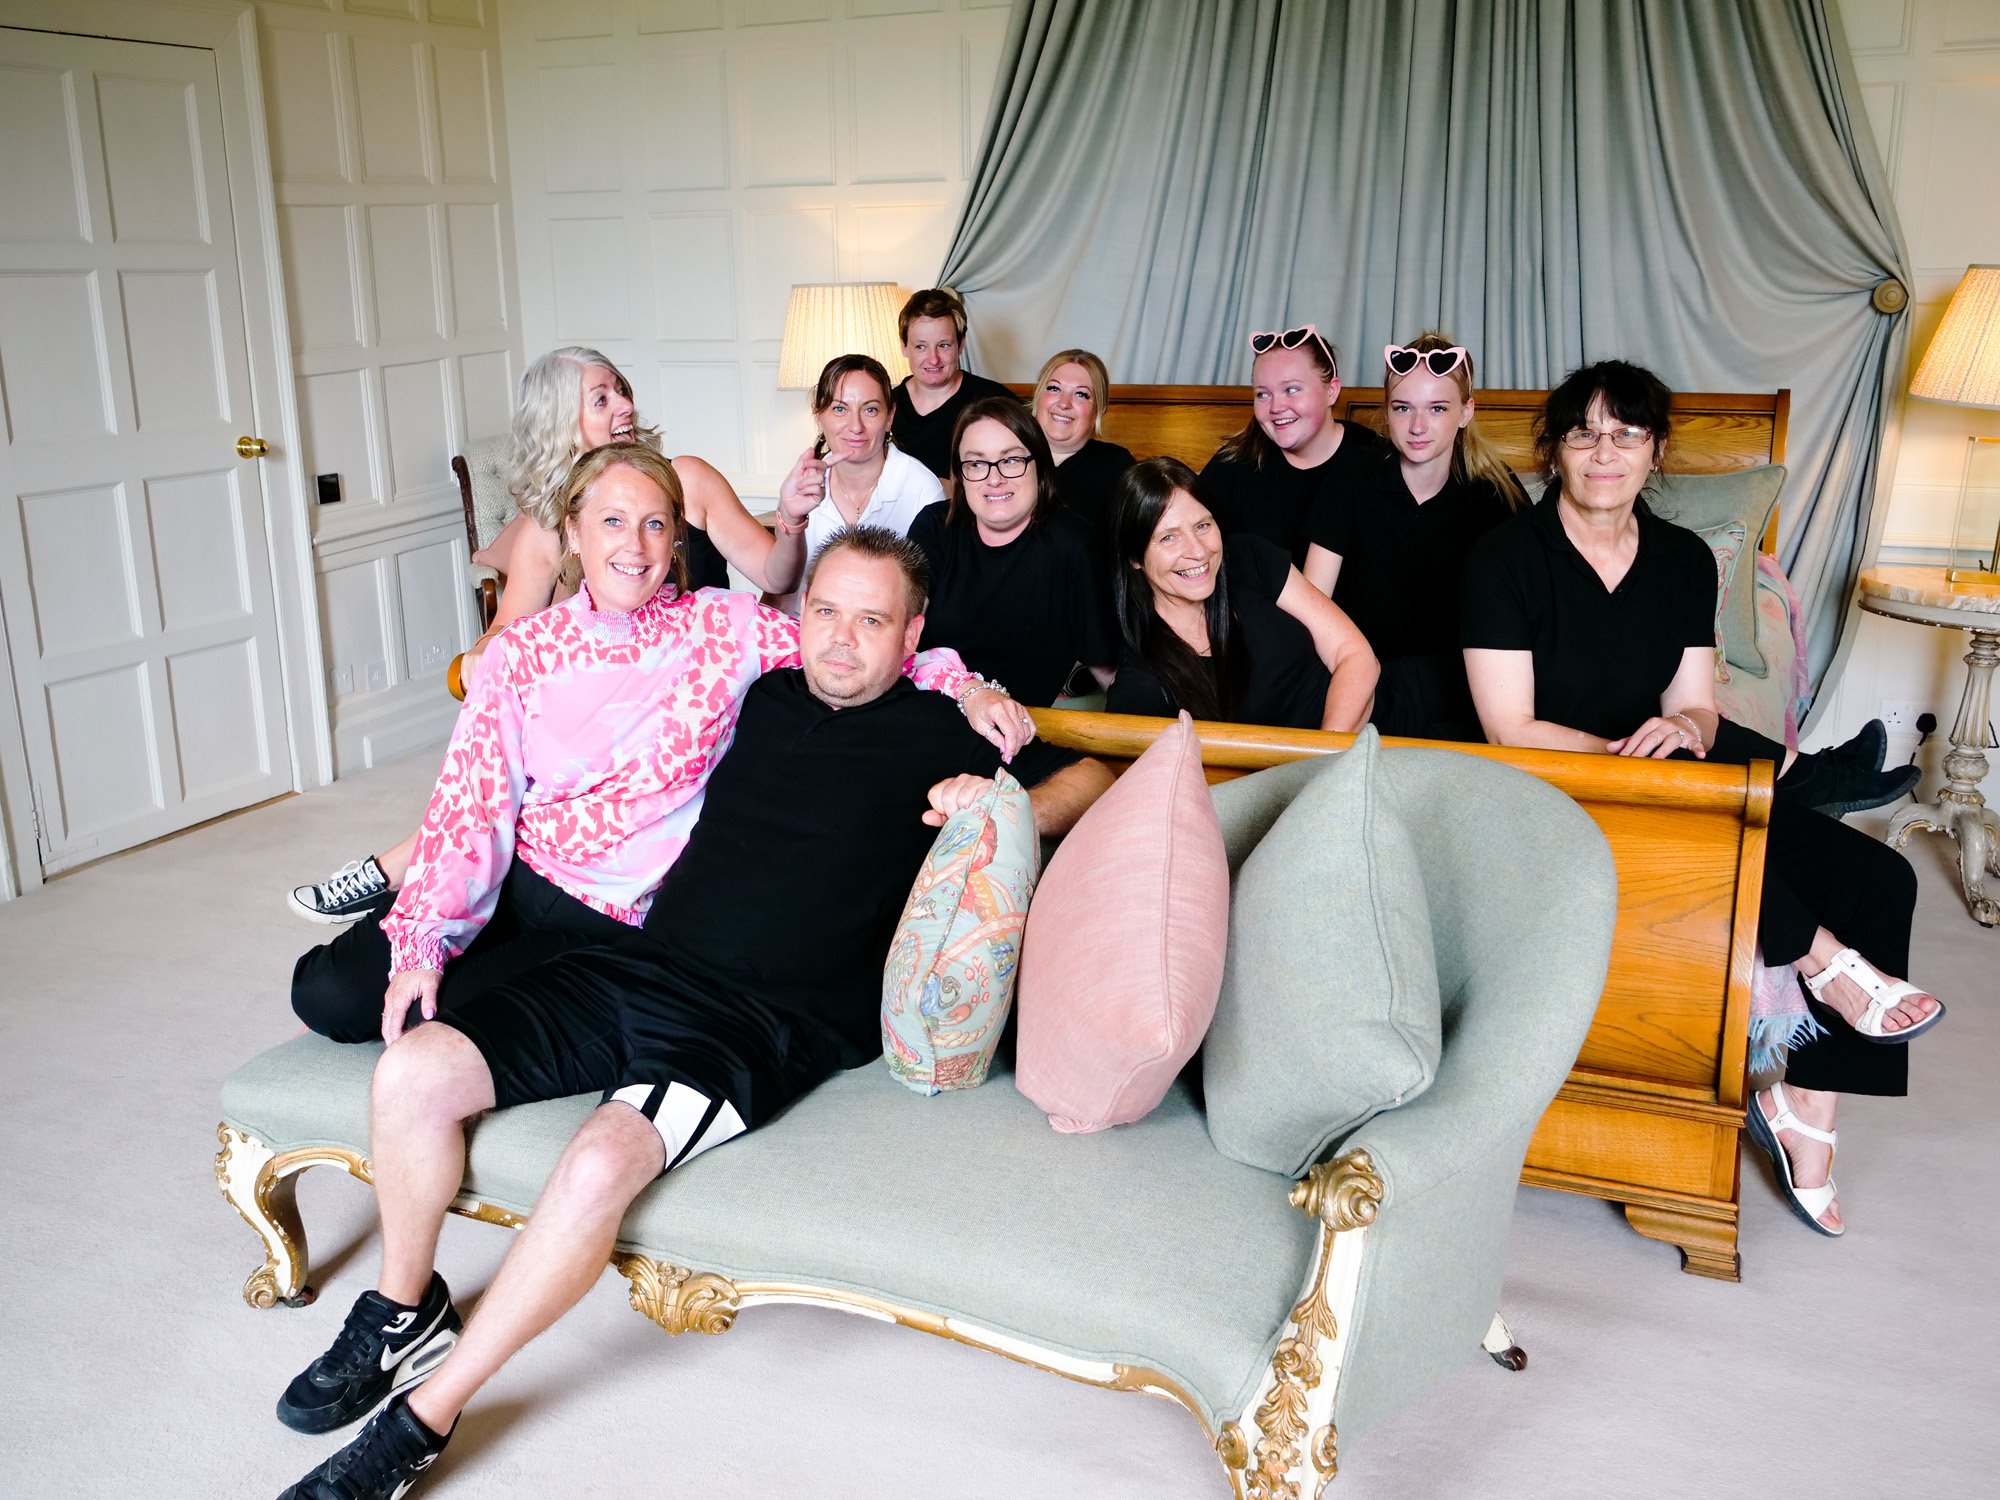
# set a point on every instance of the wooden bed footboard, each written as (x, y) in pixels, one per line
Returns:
(1649, 1115)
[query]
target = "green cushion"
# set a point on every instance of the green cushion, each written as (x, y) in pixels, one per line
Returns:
(1709, 504)
(1064, 1240)
(949, 980)
(1329, 1008)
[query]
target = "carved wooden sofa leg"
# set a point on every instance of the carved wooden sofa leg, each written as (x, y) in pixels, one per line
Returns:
(1500, 1344)
(1285, 1444)
(679, 1300)
(1705, 1239)
(261, 1185)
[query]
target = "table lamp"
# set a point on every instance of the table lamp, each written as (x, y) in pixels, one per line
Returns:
(1962, 367)
(825, 319)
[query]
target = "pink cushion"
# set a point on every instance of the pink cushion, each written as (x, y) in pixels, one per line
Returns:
(1122, 959)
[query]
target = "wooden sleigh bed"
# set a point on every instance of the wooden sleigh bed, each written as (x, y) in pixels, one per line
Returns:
(1650, 1115)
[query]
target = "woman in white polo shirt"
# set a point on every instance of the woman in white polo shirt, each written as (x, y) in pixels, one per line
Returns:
(853, 474)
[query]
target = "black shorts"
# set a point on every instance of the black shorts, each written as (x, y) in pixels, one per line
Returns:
(702, 1062)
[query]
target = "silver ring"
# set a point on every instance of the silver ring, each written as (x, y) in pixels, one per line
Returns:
(1026, 720)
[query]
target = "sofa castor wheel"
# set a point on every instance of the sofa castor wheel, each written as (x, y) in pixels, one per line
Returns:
(1513, 1357)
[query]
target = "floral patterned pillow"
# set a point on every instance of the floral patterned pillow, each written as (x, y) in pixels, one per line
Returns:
(1727, 542)
(949, 981)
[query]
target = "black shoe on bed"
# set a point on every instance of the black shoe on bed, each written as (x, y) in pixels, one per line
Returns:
(383, 1347)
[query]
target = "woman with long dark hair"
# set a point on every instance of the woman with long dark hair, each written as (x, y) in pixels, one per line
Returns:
(1233, 634)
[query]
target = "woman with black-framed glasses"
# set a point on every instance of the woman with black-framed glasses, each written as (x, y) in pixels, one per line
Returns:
(1389, 543)
(1264, 479)
(1015, 586)
(1589, 624)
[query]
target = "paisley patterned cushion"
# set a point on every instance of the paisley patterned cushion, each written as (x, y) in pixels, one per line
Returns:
(949, 981)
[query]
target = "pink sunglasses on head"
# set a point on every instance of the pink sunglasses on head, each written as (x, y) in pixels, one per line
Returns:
(1401, 359)
(1291, 338)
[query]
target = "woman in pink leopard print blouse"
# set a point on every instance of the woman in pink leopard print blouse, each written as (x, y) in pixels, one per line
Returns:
(576, 770)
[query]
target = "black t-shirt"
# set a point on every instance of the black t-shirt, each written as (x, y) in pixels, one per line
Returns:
(1086, 479)
(1274, 501)
(1401, 563)
(1283, 681)
(827, 804)
(1023, 613)
(1602, 656)
(926, 437)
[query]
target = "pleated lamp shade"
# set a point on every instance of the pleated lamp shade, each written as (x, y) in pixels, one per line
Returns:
(825, 319)
(1962, 365)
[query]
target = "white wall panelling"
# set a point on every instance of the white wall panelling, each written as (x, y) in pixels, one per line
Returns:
(1930, 75)
(679, 164)
(398, 243)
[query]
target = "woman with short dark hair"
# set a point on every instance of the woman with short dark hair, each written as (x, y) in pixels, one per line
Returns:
(938, 389)
(1590, 625)
(1236, 635)
(1015, 589)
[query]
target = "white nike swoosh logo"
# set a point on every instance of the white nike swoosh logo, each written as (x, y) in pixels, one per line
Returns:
(392, 1356)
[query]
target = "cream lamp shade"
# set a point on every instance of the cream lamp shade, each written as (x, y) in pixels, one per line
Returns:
(1962, 365)
(825, 319)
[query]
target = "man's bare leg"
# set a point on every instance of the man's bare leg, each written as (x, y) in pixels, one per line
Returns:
(557, 1257)
(426, 1087)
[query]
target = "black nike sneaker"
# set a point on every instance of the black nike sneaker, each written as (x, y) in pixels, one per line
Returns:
(383, 1463)
(383, 1347)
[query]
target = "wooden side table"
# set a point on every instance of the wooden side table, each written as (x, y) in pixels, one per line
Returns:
(1924, 597)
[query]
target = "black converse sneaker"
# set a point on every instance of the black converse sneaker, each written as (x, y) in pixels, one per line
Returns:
(382, 1347)
(343, 895)
(384, 1462)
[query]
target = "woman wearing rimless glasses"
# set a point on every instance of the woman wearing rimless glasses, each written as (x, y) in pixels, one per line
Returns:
(1264, 479)
(1589, 624)
(1390, 546)
(1015, 585)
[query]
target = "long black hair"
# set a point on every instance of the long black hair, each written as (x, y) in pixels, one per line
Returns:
(1206, 687)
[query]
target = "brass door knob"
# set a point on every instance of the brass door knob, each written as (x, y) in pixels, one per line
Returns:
(249, 447)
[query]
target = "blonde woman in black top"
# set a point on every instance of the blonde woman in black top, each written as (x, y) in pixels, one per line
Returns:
(1388, 543)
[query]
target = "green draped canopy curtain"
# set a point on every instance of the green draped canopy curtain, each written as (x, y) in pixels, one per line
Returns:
(1685, 183)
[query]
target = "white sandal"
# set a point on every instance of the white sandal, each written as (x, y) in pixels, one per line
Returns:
(1807, 1202)
(1883, 996)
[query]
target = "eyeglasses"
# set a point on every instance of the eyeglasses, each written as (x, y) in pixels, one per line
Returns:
(1581, 438)
(1401, 359)
(1291, 338)
(1013, 466)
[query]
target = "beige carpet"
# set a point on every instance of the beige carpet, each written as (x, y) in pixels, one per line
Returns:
(129, 1364)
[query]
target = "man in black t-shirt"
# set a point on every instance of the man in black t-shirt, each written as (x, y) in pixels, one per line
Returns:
(724, 1009)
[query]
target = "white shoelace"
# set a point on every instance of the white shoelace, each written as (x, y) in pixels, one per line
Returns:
(350, 880)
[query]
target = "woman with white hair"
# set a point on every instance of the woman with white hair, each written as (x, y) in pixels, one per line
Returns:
(574, 399)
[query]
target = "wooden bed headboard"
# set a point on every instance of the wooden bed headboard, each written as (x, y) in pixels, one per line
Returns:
(1714, 432)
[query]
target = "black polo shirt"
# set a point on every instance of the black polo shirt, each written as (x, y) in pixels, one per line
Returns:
(812, 830)
(1281, 680)
(1274, 501)
(1023, 613)
(1602, 656)
(1402, 563)
(926, 436)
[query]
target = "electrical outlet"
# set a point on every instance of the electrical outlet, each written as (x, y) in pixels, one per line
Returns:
(378, 677)
(343, 680)
(1900, 717)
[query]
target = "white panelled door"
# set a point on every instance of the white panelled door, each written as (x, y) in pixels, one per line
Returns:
(134, 572)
